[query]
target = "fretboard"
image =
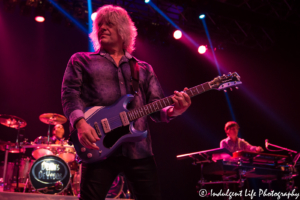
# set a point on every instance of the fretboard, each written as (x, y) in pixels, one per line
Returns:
(162, 103)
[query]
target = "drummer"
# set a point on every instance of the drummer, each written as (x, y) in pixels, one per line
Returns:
(58, 133)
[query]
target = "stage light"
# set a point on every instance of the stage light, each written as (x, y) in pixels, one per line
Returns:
(94, 15)
(202, 49)
(147, 1)
(202, 16)
(39, 19)
(177, 34)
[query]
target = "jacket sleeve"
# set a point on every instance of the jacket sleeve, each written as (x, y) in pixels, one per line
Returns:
(71, 90)
(247, 146)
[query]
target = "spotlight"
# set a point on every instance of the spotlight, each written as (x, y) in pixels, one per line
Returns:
(93, 16)
(202, 49)
(147, 1)
(202, 16)
(40, 12)
(39, 19)
(177, 34)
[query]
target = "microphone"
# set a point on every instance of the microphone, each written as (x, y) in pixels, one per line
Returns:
(267, 143)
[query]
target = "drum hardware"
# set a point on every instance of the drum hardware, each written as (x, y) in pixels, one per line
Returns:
(16, 123)
(58, 186)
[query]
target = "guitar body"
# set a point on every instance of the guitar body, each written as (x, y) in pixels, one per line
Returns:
(109, 141)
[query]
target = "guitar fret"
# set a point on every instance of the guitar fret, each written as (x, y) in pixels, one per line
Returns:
(129, 115)
(151, 107)
(207, 86)
(168, 101)
(147, 109)
(192, 92)
(164, 102)
(141, 111)
(133, 112)
(202, 87)
(156, 106)
(197, 90)
(160, 104)
(137, 113)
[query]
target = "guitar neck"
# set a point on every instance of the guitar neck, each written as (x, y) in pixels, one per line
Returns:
(162, 103)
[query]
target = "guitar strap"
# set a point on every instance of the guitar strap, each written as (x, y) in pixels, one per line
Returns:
(134, 81)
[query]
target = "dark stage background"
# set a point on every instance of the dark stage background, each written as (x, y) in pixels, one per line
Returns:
(33, 57)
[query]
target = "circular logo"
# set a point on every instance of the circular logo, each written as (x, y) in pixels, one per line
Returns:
(47, 171)
(202, 193)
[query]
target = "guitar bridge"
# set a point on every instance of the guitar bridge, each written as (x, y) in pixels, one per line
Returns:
(97, 129)
(124, 118)
(105, 125)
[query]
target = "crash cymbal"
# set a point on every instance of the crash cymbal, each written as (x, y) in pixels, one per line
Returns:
(53, 118)
(12, 121)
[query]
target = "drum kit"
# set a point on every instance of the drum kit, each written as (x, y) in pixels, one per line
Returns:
(53, 169)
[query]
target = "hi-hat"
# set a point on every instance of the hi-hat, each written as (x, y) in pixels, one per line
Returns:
(12, 121)
(52, 118)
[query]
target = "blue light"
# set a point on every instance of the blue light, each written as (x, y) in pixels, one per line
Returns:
(202, 16)
(147, 1)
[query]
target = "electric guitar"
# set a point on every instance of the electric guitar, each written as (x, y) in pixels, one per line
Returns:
(114, 124)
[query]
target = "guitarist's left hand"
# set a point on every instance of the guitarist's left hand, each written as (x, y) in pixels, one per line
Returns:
(182, 102)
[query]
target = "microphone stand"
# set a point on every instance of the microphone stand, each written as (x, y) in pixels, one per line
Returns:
(279, 147)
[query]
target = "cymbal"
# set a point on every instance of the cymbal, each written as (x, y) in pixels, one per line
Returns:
(52, 118)
(12, 121)
(4, 143)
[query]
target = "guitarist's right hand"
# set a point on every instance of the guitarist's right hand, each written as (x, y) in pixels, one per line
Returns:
(87, 134)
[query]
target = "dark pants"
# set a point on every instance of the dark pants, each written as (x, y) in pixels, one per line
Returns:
(141, 174)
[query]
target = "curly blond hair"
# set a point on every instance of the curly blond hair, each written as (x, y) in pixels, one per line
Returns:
(120, 17)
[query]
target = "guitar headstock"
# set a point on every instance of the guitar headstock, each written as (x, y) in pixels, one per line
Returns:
(225, 81)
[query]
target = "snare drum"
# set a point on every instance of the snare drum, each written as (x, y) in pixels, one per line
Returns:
(50, 171)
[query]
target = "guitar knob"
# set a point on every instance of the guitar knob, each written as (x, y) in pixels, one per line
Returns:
(225, 90)
(237, 87)
(83, 149)
(100, 151)
(89, 155)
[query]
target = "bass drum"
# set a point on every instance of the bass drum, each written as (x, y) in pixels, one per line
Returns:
(50, 175)
(114, 192)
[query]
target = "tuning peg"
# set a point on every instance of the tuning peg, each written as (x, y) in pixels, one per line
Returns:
(225, 90)
(237, 87)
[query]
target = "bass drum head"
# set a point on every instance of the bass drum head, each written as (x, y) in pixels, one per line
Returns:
(48, 171)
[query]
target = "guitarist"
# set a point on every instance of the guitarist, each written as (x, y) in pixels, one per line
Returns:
(100, 79)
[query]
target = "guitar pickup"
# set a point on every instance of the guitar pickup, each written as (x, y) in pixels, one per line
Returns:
(105, 125)
(97, 129)
(124, 118)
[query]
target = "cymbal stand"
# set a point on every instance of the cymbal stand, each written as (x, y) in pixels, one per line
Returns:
(48, 134)
(19, 159)
(5, 167)
(49, 126)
